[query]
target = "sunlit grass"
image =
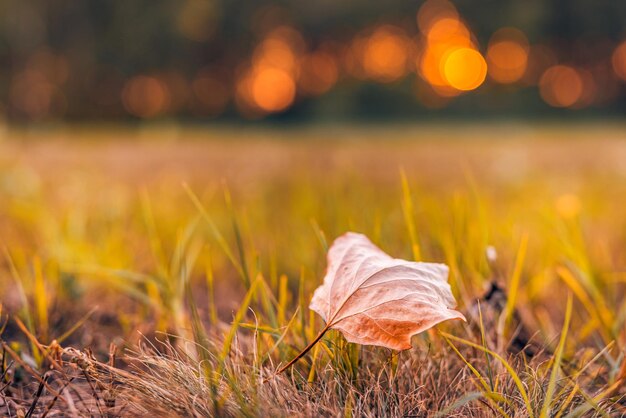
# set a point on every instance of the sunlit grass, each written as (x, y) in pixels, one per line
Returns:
(219, 264)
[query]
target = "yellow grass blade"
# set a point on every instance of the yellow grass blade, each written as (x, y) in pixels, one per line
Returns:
(282, 298)
(311, 377)
(574, 377)
(567, 401)
(76, 325)
(507, 366)
(545, 409)
(20, 287)
(514, 286)
(321, 237)
(210, 280)
(593, 310)
(487, 392)
(215, 231)
(41, 300)
(155, 243)
(245, 303)
(484, 343)
(407, 208)
(282, 336)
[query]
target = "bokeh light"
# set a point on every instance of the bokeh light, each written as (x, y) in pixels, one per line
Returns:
(268, 85)
(273, 89)
(385, 56)
(277, 53)
(618, 60)
(201, 59)
(448, 30)
(589, 89)
(36, 92)
(319, 72)
(449, 60)
(507, 55)
(433, 57)
(561, 86)
(145, 96)
(465, 69)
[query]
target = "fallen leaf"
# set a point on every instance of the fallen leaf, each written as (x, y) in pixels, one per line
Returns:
(375, 299)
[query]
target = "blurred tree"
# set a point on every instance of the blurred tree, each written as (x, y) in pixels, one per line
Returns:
(73, 59)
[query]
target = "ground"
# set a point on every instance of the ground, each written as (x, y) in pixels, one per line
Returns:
(168, 270)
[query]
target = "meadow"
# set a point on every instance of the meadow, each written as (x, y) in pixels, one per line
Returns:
(167, 271)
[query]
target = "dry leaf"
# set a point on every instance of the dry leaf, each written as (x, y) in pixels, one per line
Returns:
(375, 299)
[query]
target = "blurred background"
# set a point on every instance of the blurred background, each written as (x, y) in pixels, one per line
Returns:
(345, 60)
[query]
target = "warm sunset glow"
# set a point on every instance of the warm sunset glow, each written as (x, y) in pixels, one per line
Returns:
(145, 96)
(385, 55)
(449, 60)
(273, 89)
(507, 55)
(268, 85)
(619, 60)
(431, 67)
(465, 69)
(433, 58)
(561, 86)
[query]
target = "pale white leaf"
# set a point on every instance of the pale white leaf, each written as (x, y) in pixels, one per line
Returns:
(375, 299)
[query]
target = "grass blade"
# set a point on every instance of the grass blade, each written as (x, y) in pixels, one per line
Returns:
(514, 286)
(545, 409)
(509, 368)
(407, 209)
(245, 304)
(215, 231)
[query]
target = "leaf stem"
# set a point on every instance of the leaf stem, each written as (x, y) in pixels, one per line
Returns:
(301, 354)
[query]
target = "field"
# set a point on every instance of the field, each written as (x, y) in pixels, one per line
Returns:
(167, 271)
